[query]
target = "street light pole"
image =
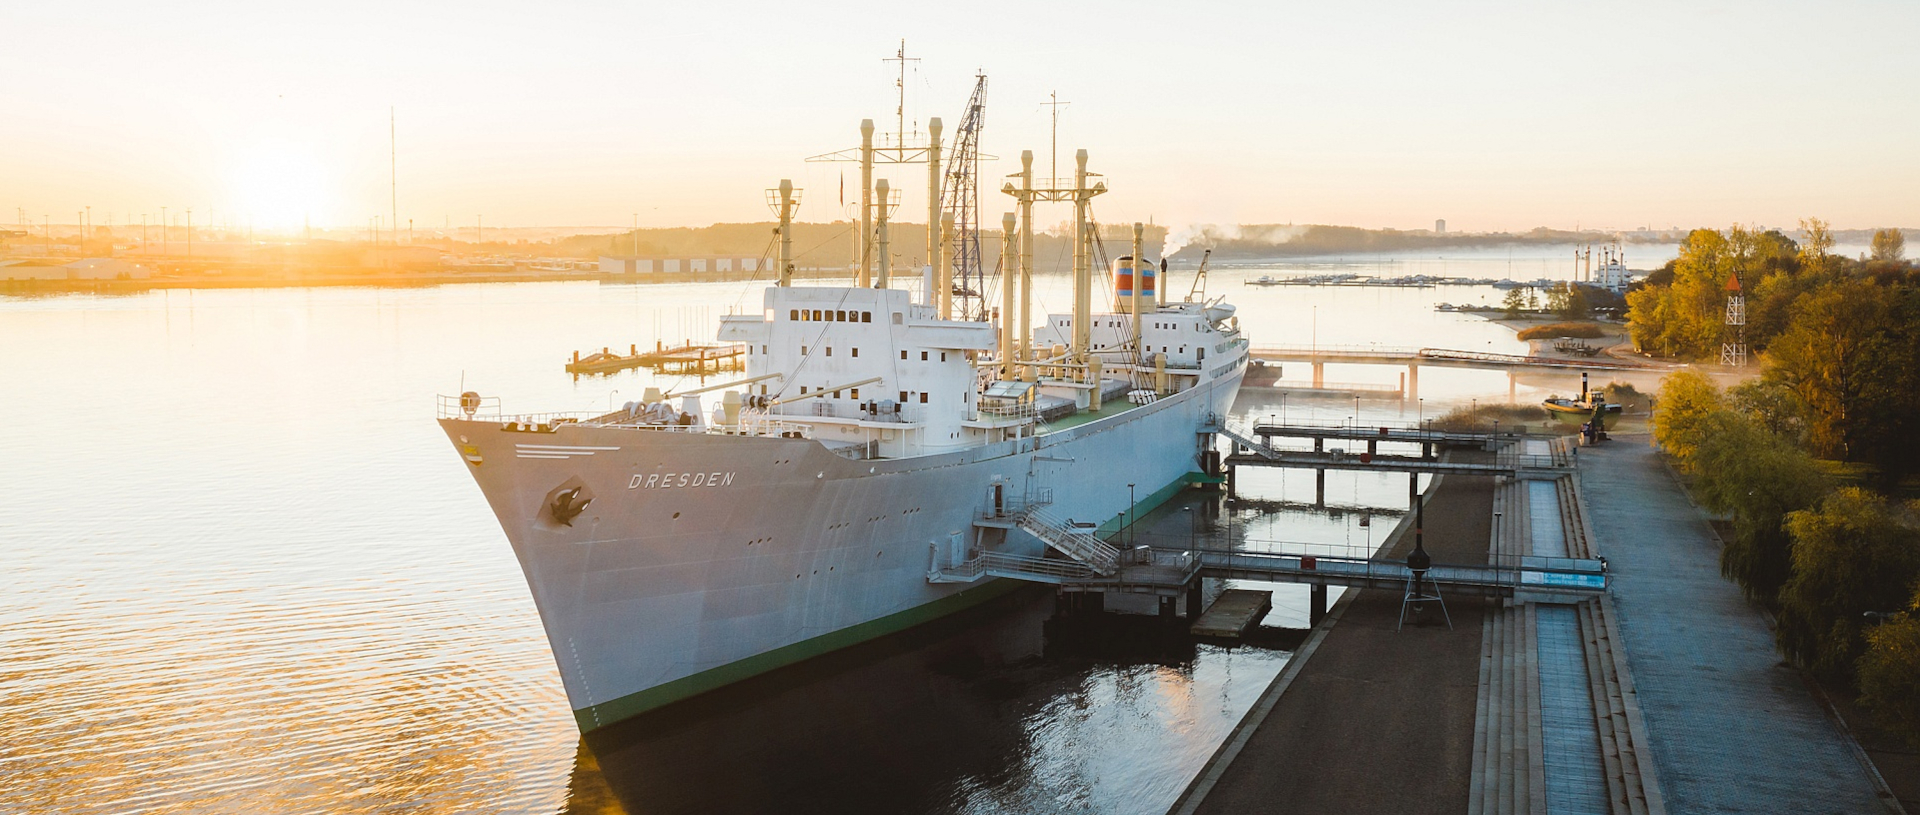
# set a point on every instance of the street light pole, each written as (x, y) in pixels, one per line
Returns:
(1132, 534)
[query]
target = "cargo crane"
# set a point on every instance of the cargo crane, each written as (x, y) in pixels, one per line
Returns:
(1197, 294)
(962, 202)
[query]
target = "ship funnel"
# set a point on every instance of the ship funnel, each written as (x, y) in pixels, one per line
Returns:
(1124, 277)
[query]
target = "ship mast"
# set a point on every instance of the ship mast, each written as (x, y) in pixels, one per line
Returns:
(894, 149)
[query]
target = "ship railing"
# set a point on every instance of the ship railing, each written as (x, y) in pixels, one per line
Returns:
(1010, 565)
(1011, 507)
(765, 425)
(1021, 567)
(1019, 410)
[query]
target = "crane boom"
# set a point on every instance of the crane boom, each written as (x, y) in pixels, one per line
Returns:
(962, 201)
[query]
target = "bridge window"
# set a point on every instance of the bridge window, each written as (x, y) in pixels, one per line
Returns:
(793, 314)
(866, 316)
(803, 350)
(816, 316)
(923, 397)
(903, 396)
(903, 356)
(856, 393)
(829, 350)
(923, 356)
(856, 352)
(803, 390)
(943, 356)
(840, 316)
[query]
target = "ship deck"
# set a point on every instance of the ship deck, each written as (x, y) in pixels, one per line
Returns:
(1108, 408)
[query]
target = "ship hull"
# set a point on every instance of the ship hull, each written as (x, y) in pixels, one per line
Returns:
(700, 560)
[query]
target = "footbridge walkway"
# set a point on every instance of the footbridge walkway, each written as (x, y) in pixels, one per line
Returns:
(1096, 566)
(1319, 355)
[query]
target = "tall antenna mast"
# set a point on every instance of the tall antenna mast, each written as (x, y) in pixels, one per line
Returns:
(1053, 170)
(900, 84)
(393, 172)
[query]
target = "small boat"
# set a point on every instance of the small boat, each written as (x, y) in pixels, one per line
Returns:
(1260, 374)
(1264, 280)
(1579, 408)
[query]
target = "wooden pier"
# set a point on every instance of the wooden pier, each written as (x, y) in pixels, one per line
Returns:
(687, 359)
(1235, 611)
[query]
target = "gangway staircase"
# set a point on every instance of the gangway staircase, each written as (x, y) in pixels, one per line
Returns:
(1095, 553)
(1089, 558)
(1261, 447)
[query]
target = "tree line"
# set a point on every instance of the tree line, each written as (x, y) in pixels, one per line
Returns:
(1839, 337)
(1838, 565)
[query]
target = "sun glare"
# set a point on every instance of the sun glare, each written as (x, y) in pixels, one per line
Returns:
(279, 186)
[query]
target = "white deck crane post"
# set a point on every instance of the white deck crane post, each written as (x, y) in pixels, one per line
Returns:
(1008, 257)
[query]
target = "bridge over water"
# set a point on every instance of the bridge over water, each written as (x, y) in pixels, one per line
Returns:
(1319, 355)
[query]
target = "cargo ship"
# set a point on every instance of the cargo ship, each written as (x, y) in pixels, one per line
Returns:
(883, 460)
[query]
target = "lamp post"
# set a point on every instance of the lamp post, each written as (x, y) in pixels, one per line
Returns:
(1496, 536)
(1132, 534)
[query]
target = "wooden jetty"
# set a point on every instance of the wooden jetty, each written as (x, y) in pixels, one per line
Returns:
(689, 358)
(1233, 613)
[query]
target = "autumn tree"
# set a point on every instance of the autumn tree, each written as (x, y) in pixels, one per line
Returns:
(1889, 244)
(1514, 302)
(1852, 554)
(1816, 244)
(1686, 316)
(1886, 431)
(1824, 357)
(1687, 398)
(1568, 300)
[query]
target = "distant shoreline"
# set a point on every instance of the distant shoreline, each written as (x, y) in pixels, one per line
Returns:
(29, 288)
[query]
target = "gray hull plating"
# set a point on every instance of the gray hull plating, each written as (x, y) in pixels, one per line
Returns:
(699, 551)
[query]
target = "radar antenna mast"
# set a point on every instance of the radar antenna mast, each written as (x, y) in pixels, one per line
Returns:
(962, 201)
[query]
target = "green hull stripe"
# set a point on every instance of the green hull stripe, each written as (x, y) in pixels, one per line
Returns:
(1153, 501)
(633, 704)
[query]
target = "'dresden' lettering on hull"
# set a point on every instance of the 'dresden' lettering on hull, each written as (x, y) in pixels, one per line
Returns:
(662, 481)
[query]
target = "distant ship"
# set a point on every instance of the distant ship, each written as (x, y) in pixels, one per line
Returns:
(881, 463)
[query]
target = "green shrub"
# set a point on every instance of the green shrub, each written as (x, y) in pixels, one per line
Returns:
(1889, 673)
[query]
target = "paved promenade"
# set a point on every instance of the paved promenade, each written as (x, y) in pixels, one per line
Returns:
(1732, 728)
(1376, 721)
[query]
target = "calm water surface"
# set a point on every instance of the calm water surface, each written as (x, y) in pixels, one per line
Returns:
(246, 573)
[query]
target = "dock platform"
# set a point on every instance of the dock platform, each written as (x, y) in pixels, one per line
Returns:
(1233, 613)
(690, 358)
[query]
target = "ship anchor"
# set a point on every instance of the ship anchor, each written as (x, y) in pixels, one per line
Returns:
(564, 509)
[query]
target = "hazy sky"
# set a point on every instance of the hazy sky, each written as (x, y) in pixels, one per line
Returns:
(1491, 115)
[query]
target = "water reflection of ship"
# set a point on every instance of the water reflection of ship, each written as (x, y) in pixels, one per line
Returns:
(911, 723)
